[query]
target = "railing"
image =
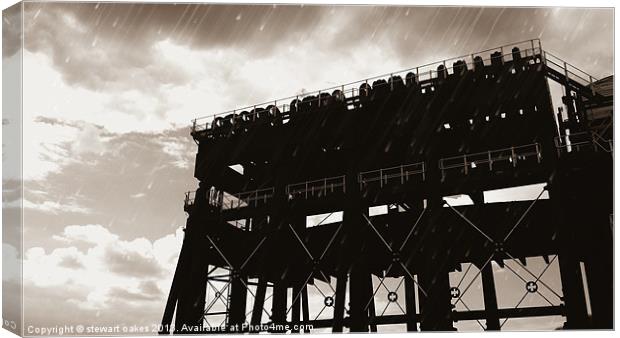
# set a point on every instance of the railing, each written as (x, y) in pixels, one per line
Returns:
(470, 161)
(212, 198)
(400, 174)
(316, 188)
(190, 197)
(527, 50)
(582, 140)
(248, 199)
(569, 71)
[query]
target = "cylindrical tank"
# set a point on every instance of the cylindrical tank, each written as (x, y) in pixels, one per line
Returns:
(294, 107)
(325, 99)
(396, 82)
(338, 95)
(442, 72)
(497, 60)
(459, 67)
(273, 110)
(260, 114)
(274, 114)
(380, 87)
(308, 103)
(218, 122)
(245, 116)
(478, 64)
(516, 54)
(365, 90)
(410, 79)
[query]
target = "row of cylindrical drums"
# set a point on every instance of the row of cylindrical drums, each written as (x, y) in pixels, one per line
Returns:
(272, 113)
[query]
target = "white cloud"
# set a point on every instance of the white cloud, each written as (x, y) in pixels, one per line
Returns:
(107, 266)
(55, 207)
(91, 234)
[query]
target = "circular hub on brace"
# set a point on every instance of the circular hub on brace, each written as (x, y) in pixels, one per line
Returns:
(395, 257)
(531, 286)
(455, 292)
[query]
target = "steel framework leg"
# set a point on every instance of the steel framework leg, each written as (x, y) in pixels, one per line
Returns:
(296, 307)
(341, 288)
(259, 302)
(304, 307)
(278, 311)
(237, 303)
(359, 292)
(490, 298)
(412, 315)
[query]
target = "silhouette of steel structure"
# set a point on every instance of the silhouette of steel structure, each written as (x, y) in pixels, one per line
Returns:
(406, 140)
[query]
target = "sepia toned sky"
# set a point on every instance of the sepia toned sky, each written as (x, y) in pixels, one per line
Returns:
(110, 89)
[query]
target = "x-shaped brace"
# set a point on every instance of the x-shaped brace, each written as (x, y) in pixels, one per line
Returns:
(316, 263)
(234, 271)
(395, 258)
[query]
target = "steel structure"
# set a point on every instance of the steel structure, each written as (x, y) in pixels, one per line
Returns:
(406, 140)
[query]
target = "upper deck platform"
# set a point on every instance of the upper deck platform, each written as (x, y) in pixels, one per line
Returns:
(280, 110)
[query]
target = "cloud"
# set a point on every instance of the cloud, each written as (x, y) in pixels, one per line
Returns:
(98, 278)
(71, 262)
(145, 291)
(54, 207)
(171, 63)
(132, 260)
(87, 174)
(90, 234)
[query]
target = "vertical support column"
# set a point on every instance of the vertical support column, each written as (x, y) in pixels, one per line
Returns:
(412, 315)
(341, 288)
(304, 308)
(599, 258)
(568, 259)
(436, 308)
(191, 301)
(358, 298)
(295, 314)
(191, 296)
(490, 298)
(572, 289)
(371, 306)
(434, 278)
(350, 260)
(175, 288)
(278, 309)
(488, 282)
(259, 303)
(279, 245)
(599, 270)
(238, 299)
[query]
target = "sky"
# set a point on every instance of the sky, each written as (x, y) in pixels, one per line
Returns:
(110, 89)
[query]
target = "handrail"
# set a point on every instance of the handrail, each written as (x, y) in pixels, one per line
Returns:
(547, 54)
(326, 185)
(533, 45)
(402, 172)
(190, 197)
(574, 142)
(320, 186)
(568, 69)
(489, 157)
(246, 198)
